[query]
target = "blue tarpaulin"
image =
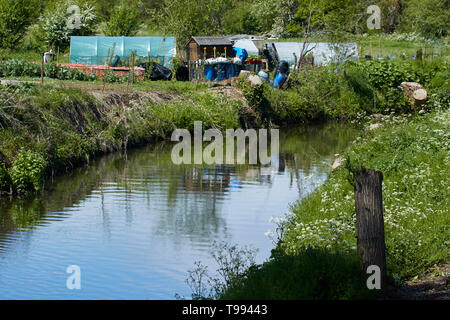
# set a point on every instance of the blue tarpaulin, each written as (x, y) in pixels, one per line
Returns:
(94, 50)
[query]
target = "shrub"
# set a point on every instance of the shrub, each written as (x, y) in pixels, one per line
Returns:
(28, 170)
(5, 178)
(54, 29)
(310, 275)
(213, 110)
(124, 21)
(15, 17)
(384, 77)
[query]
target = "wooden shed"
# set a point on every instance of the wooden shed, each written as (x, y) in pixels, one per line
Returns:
(197, 47)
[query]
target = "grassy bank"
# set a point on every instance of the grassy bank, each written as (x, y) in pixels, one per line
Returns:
(350, 91)
(413, 154)
(47, 130)
(316, 241)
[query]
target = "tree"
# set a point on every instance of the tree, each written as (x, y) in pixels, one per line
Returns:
(15, 17)
(56, 25)
(430, 18)
(185, 18)
(286, 10)
(392, 11)
(125, 20)
(330, 16)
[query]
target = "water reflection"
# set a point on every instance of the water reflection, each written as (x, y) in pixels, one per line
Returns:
(144, 221)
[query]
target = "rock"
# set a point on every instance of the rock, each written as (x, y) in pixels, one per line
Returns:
(374, 126)
(244, 74)
(339, 162)
(255, 80)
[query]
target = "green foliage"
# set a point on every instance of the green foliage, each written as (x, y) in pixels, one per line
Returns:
(232, 261)
(429, 18)
(22, 68)
(346, 91)
(5, 178)
(186, 18)
(311, 95)
(54, 24)
(213, 110)
(68, 125)
(124, 21)
(331, 16)
(27, 171)
(312, 274)
(385, 77)
(413, 155)
(15, 17)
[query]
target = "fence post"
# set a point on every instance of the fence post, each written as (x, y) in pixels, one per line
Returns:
(190, 72)
(42, 68)
(369, 220)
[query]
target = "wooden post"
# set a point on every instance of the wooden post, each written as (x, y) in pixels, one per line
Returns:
(369, 220)
(42, 68)
(190, 72)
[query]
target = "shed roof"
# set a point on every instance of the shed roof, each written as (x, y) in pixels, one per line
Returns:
(212, 41)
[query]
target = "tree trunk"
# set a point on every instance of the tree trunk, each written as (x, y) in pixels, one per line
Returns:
(369, 220)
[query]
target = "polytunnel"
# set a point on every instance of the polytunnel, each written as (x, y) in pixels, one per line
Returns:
(324, 53)
(95, 50)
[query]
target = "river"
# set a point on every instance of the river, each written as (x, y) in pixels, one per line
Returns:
(136, 223)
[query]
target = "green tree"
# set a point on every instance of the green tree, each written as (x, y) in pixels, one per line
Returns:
(185, 18)
(15, 17)
(56, 26)
(125, 20)
(430, 18)
(330, 16)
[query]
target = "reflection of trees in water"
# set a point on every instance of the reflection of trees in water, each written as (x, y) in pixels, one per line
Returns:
(190, 197)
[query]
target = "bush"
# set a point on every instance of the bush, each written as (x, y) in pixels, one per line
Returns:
(5, 178)
(384, 78)
(125, 20)
(28, 170)
(15, 17)
(310, 275)
(54, 29)
(213, 110)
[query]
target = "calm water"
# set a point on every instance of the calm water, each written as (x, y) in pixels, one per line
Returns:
(136, 224)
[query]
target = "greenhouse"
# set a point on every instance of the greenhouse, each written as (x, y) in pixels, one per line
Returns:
(95, 50)
(323, 53)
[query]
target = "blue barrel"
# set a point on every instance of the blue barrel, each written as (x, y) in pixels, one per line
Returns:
(228, 71)
(210, 72)
(279, 80)
(221, 69)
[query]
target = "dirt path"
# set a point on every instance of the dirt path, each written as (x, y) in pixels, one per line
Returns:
(434, 285)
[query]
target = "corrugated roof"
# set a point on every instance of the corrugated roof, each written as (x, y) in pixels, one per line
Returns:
(212, 41)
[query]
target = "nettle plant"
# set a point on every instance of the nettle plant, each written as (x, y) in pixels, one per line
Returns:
(27, 172)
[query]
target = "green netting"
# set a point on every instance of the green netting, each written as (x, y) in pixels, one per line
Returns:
(94, 50)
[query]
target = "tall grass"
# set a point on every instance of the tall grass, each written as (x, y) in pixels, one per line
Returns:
(59, 128)
(413, 154)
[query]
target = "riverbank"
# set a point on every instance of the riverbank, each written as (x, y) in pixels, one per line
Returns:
(412, 152)
(50, 129)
